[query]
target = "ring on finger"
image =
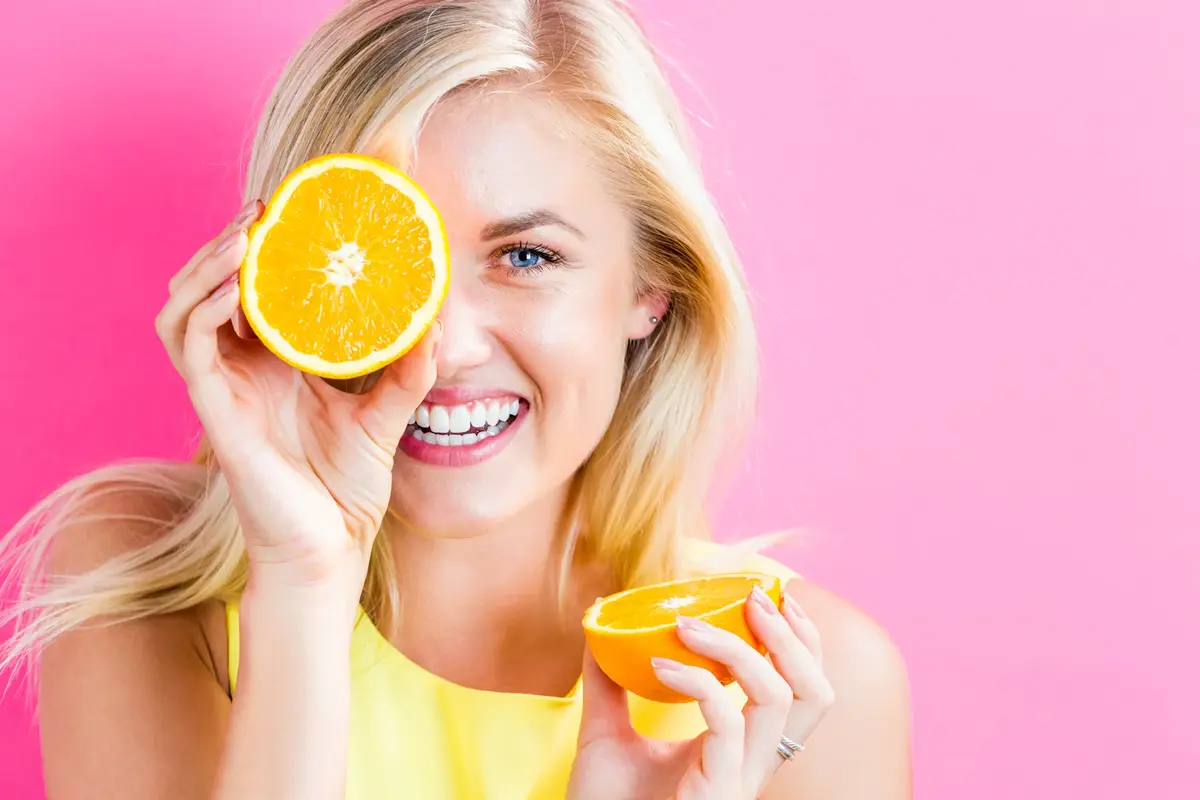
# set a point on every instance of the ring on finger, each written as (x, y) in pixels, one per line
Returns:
(788, 748)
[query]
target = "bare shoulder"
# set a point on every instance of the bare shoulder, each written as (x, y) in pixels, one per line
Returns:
(123, 704)
(113, 523)
(862, 748)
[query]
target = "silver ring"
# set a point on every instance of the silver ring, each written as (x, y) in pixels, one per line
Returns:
(788, 748)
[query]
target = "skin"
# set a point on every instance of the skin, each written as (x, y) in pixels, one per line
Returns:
(555, 337)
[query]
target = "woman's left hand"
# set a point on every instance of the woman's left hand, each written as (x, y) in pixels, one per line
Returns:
(738, 754)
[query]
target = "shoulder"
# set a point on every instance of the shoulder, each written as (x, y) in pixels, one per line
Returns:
(108, 522)
(103, 520)
(862, 748)
(124, 700)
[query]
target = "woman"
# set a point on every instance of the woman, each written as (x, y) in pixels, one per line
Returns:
(597, 304)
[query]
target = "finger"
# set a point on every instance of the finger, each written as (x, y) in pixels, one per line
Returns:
(200, 348)
(796, 665)
(803, 627)
(722, 746)
(245, 215)
(241, 325)
(214, 270)
(796, 660)
(403, 386)
(605, 705)
(770, 698)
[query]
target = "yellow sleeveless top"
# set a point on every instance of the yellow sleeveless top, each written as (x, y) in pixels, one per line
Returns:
(416, 736)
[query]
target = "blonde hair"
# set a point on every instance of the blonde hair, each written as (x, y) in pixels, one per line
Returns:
(381, 66)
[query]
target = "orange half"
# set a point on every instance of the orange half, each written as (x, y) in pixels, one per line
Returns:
(625, 630)
(347, 268)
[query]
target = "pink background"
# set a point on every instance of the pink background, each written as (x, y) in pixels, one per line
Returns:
(971, 231)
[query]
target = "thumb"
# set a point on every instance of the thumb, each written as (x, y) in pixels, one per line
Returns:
(401, 388)
(605, 705)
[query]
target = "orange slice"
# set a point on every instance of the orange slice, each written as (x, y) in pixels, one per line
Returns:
(347, 268)
(625, 630)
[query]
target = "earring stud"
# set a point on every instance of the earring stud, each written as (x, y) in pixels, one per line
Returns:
(654, 320)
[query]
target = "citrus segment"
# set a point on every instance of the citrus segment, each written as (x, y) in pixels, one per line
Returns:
(347, 268)
(625, 630)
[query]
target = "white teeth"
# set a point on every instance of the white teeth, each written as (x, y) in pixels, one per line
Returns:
(479, 415)
(460, 419)
(451, 426)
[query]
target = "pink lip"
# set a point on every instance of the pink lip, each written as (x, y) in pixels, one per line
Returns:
(458, 395)
(466, 455)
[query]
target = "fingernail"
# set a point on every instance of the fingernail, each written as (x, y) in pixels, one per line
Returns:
(247, 213)
(228, 241)
(241, 326)
(228, 287)
(763, 600)
(665, 665)
(793, 606)
(696, 626)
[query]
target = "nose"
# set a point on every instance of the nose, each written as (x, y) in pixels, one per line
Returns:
(466, 342)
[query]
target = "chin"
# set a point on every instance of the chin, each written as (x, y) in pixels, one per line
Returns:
(451, 512)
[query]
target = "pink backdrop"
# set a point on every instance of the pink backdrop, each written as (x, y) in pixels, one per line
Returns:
(971, 231)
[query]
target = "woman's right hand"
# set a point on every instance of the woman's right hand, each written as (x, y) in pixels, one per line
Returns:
(309, 466)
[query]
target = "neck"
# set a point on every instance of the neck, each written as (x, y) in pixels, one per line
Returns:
(484, 611)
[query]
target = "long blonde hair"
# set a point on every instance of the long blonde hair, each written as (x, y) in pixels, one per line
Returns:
(382, 65)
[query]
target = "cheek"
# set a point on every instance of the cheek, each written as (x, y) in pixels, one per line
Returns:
(572, 346)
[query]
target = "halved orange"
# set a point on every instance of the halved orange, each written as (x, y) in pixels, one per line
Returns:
(625, 630)
(347, 268)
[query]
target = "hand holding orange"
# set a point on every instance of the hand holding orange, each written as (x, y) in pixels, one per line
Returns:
(625, 630)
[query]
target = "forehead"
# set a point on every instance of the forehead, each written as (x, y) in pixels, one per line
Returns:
(497, 153)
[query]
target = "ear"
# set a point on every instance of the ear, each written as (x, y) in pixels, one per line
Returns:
(646, 315)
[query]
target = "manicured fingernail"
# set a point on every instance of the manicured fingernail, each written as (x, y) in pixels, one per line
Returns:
(763, 600)
(247, 213)
(693, 625)
(665, 665)
(228, 242)
(793, 606)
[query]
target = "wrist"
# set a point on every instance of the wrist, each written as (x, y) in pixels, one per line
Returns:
(310, 566)
(276, 605)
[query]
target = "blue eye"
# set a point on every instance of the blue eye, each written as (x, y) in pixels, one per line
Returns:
(524, 258)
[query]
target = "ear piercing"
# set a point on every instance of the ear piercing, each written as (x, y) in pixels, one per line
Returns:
(654, 320)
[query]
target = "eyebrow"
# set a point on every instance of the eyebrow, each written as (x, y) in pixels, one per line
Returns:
(510, 226)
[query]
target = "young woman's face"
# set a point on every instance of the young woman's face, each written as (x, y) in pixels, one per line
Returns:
(542, 304)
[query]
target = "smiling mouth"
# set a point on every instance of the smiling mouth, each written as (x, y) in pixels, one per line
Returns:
(465, 424)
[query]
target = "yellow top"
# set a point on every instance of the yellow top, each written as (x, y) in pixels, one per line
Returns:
(417, 736)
